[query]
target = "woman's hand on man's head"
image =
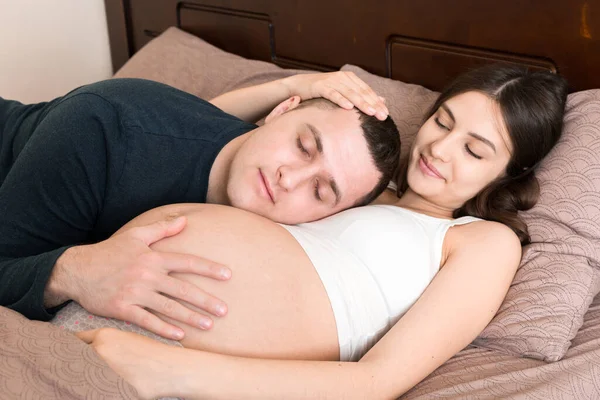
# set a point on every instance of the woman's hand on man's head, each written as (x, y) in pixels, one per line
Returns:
(342, 88)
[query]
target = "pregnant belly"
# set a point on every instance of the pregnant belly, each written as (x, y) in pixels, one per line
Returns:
(278, 307)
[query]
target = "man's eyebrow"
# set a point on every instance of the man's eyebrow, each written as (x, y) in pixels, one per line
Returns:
(332, 183)
(336, 191)
(473, 134)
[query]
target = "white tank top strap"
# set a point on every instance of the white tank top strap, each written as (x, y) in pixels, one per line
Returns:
(463, 220)
(439, 234)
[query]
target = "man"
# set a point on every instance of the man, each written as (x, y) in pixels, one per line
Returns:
(76, 169)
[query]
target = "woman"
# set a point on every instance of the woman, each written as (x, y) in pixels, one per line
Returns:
(451, 231)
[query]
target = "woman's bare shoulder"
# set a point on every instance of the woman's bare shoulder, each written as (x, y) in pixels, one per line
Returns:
(475, 229)
(493, 238)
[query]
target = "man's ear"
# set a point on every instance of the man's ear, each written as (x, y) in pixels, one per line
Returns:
(283, 107)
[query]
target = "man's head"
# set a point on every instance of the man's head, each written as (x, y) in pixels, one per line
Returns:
(311, 160)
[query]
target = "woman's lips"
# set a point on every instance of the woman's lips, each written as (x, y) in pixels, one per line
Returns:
(266, 186)
(429, 169)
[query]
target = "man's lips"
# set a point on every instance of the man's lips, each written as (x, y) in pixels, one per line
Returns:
(429, 169)
(265, 183)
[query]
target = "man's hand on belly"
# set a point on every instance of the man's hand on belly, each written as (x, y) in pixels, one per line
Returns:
(123, 278)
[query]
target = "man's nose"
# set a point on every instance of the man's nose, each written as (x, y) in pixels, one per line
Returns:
(292, 177)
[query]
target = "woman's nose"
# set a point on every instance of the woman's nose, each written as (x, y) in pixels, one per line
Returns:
(441, 148)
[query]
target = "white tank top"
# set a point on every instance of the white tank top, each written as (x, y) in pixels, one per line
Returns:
(374, 262)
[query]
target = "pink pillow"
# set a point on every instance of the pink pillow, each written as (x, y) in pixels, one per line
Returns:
(560, 271)
(188, 63)
(41, 361)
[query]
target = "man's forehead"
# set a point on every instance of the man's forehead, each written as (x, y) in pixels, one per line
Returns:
(331, 121)
(348, 158)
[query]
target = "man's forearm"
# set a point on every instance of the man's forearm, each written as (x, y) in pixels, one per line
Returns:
(24, 280)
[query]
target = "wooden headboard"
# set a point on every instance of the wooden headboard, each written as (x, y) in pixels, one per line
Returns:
(426, 42)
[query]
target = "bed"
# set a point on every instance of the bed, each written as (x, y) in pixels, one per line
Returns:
(544, 343)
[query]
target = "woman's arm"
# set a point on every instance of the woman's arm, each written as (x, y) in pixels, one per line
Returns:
(453, 310)
(342, 88)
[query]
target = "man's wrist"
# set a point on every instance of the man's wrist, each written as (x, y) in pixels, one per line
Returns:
(60, 286)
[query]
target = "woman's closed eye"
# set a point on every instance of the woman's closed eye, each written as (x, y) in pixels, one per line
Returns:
(470, 152)
(439, 123)
(467, 148)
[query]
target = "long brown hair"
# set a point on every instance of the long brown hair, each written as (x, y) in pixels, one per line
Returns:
(532, 105)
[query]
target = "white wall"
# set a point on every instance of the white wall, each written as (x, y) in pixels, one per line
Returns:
(48, 47)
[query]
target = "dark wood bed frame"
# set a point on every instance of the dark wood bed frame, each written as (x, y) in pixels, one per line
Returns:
(426, 42)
